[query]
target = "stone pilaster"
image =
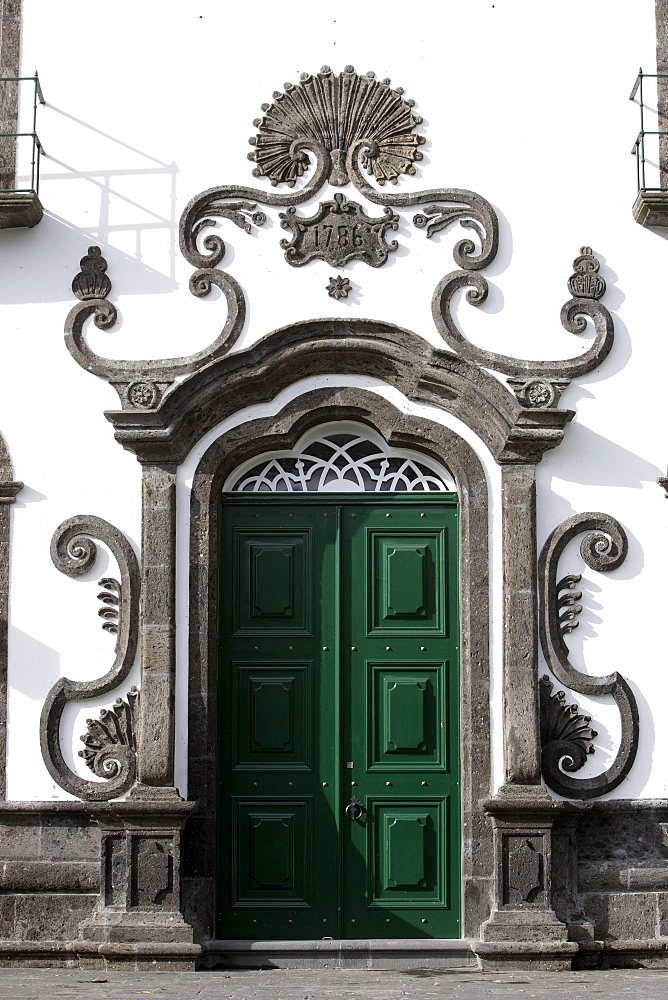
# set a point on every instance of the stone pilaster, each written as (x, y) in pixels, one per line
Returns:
(156, 756)
(139, 918)
(521, 726)
(523, 931)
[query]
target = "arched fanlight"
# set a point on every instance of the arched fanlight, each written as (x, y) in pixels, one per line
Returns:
(341, 458)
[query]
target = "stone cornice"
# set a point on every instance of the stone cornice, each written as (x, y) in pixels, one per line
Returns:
(512, 432)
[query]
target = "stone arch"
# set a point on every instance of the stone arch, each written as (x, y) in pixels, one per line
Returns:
(442, 444)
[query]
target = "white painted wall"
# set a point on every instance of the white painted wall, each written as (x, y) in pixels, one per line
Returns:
(151, 103)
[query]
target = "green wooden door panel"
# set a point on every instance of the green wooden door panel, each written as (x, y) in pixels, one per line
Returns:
(278, 722)
(406, 581)
(272, 714)
(338, 679)
(273, 570)
(400, 708)
(408, 727)
(404, 715)
(407, 838)
(272, 845)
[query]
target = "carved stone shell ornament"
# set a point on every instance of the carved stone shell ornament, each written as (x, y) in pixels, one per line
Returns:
(336, 111)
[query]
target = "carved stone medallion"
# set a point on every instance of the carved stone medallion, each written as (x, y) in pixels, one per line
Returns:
(339, 231)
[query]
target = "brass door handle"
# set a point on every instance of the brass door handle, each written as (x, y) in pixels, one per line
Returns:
(354, 809)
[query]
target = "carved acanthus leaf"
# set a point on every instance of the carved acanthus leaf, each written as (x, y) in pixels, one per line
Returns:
(109, 598)
(565, 735)
(111, 740)
(603, 548)
(567, 602)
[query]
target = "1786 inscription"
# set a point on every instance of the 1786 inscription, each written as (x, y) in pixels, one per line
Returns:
(339, 231)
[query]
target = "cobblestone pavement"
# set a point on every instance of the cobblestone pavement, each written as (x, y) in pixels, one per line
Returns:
(331, 984)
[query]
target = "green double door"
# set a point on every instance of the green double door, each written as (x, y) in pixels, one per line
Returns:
(339, 715)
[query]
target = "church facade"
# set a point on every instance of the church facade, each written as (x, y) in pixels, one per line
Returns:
(332, 549)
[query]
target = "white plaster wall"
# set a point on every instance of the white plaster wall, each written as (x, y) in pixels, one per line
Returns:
(151, 103)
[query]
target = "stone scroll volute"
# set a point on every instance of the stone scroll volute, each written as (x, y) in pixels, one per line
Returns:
(603, 548)
(74, 553)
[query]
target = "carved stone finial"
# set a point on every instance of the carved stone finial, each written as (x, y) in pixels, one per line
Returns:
(663, 483)
(92, 282)
(586, 282)
(338, 287)
(335, 112)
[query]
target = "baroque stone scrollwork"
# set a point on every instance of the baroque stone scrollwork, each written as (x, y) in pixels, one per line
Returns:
(113, 737)
(663, 483)
(604, 548)
(537, 384)
(349, 123)
(109, 596)
(74, 552)
(564, 733)
(340, 231)
(141, 384)
(336, 111)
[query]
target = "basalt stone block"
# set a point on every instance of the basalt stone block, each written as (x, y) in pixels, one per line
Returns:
(609, 876)
(651, 208)
(477, 904)
(649, 878)
(19, 210)
(67, 838)
(628, 836)
(477, 835)
(538, 957)
(20, 838)
(198, 906)
(157, 648)
(51, 918)
(7, 915)
(50, 877)
(202, 777)
(626, 916)
(199, 847)
(662, 907)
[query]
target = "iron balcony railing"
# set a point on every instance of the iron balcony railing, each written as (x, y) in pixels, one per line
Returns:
(639, 146)
(9, 140)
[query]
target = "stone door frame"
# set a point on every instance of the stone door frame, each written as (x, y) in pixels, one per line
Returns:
(255, 437)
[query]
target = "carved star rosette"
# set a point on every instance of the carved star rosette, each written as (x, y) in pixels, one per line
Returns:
(340, 231)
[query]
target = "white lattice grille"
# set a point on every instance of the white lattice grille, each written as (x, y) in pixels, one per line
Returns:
(342, 461)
